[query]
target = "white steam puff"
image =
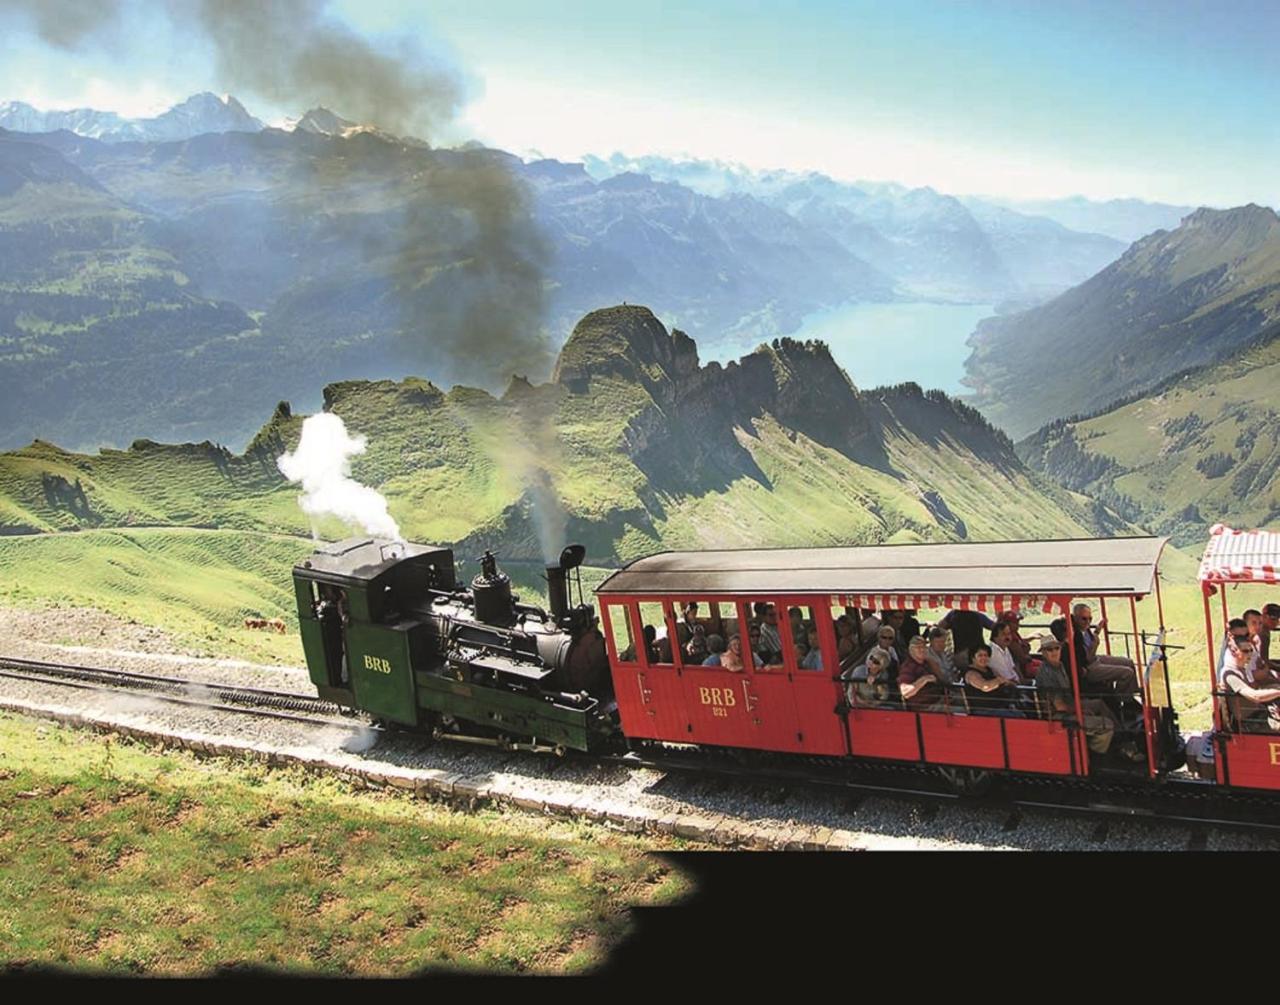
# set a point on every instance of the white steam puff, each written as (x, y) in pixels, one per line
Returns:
(322, 465)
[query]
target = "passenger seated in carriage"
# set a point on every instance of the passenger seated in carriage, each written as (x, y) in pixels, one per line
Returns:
(770, 647)
(1253, 690)
(1099, 668)
(1056, 699)
(695, 650)
(715, 650)
(1002, 659)
(936, 655)
(919, 685)
(871, 684)
(987, 692)
(813, 658)
(847, 646)
(731, 658)
(887, 639)
(1270, 623)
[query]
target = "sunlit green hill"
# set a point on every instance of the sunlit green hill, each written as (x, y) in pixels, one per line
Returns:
(644, 447)
(1201, 449)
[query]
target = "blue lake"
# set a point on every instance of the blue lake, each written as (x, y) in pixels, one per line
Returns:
(887, 343)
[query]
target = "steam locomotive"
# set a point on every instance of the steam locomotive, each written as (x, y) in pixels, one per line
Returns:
(386, 628)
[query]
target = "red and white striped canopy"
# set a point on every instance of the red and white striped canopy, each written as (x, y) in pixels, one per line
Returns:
(988, 603)
(1240, 556)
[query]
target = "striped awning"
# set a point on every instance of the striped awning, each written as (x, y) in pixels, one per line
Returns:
(988, 603)
(1240, 556)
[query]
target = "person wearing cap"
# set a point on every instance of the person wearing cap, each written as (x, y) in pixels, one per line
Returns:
(936, 655)
(1056, 696)
(1002, 661)
(1019, 648)
(919, 685)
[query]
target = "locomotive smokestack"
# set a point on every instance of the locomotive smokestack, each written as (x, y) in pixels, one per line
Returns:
(558, 593)
(558, 584)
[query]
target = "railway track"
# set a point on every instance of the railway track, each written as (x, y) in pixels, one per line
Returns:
(1192, 804)
(180, 691)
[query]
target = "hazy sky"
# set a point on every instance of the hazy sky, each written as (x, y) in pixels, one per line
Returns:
(1160, 99)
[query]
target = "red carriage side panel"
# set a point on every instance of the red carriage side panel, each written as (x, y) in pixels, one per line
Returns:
(970, 740)
(650, 699)
(1038, 746)
(816, 693)
(1253, 760)
(724, 709)
(887, 733)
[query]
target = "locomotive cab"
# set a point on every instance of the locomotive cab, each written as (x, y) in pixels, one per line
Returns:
(356, 609)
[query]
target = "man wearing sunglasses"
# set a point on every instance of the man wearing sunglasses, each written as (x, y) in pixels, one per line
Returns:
(1099, 668)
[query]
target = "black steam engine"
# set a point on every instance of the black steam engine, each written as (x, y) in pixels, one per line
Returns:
(386, 629)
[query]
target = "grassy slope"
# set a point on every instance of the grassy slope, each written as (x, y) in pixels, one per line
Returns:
(118, 860)
(1155, 443)
(1173, 300)
(198, 585)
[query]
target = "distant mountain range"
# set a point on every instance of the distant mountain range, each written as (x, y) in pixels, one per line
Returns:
(176, 289)
(1123, 219)
(200, 113)
(935, 246)
(1174, 300)
(174, 276)
(651, 449)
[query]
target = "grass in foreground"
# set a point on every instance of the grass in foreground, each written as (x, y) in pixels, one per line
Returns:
(115, 858)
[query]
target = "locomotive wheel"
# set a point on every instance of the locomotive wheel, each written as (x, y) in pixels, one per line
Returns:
(967, 781)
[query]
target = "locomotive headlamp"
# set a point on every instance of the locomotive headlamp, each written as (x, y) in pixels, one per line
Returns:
(572, 556)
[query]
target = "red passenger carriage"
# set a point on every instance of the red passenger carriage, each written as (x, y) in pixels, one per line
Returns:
(1243, 758)
(788, 708)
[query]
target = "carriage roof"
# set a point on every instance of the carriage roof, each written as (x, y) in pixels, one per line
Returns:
(1124, 566)
(1240, 556)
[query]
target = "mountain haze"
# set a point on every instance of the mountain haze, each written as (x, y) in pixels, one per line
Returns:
(301, 258)
(1174, 300)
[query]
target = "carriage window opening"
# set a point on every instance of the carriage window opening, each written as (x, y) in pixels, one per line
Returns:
(850, 647)
(620, 623)
(653, 621)
(703, 630)
(765, 634)
(803, 629)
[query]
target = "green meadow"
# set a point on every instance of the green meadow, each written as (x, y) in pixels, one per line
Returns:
(117, 859)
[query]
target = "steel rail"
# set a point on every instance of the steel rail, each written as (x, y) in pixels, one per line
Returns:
(285, 705)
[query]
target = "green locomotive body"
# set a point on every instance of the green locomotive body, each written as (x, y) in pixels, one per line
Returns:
(386, 629)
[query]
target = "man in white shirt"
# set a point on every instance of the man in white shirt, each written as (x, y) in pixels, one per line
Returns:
(1002, 661)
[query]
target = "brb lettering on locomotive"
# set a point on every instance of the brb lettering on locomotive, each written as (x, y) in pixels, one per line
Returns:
(377, 665)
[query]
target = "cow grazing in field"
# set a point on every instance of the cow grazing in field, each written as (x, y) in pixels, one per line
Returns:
(277, 625)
